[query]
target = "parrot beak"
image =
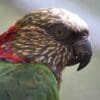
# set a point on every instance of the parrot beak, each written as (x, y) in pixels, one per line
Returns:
(83, 52)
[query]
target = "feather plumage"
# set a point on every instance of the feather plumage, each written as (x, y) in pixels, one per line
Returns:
(35, 51)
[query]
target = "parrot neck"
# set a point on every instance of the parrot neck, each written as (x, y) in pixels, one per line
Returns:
(6, 51)
(39, 49)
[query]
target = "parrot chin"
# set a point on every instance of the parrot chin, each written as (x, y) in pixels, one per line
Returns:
(82, 52)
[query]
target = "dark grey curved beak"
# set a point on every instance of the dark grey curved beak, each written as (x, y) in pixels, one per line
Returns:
(83, 52)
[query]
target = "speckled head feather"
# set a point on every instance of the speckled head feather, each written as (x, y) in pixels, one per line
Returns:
(47, 36)
(45, 17)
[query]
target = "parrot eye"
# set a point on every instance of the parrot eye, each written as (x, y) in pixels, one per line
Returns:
(58, 30)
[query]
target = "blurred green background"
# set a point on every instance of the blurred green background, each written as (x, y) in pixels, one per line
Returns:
(83, 85)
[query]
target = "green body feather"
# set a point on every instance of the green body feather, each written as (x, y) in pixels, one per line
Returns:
(27, 82)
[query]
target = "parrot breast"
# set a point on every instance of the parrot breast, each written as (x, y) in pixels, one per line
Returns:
(27, 45)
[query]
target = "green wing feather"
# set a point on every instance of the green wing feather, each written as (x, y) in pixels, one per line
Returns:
(27, 82)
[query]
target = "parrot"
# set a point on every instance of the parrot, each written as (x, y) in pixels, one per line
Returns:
(36, 49)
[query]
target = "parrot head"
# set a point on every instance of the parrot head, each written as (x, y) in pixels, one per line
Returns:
(55, 37)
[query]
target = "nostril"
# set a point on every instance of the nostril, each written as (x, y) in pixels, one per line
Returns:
(84, 35)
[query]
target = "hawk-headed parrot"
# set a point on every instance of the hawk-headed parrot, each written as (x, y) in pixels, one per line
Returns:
(35, 50)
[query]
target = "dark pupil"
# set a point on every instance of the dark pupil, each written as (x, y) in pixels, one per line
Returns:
(58, 33)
